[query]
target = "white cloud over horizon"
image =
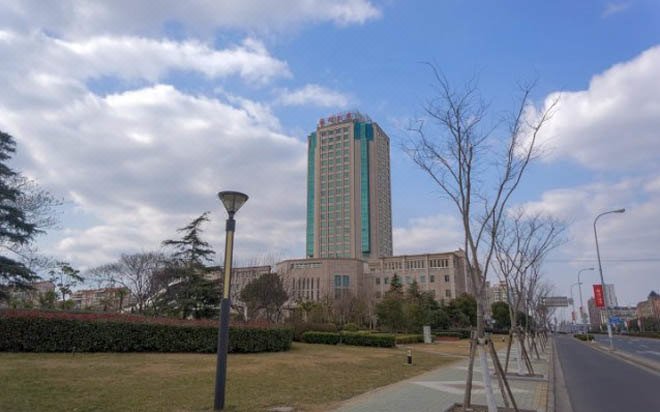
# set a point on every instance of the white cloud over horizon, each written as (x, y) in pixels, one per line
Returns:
(313, 94)
(140, 160)
(80, 18)
(613, 124)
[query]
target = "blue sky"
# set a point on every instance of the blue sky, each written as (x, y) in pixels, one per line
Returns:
(138, 114)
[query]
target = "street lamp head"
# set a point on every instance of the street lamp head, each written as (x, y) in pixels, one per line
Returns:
(619, 210)
(232, 200)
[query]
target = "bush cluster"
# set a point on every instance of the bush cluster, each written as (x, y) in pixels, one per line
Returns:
(328, 338)
(456, 335)
(584, 337)
(648, 334)
(351, 327)
(381, 340)
(403, 339)
(300, 328)
(121, 317)
(35, 334)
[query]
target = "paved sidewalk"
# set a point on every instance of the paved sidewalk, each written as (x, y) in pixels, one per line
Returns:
(439, 389)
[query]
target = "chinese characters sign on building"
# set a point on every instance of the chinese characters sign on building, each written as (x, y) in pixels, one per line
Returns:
(598, 296)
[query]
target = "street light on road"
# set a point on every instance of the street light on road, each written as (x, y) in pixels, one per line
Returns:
(232, 202)
(583, 315)
(600, 269)
(573, 303)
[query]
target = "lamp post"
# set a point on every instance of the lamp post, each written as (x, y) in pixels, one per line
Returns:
(232, 202)
(583, 315)
(573, 317)
(600, 269)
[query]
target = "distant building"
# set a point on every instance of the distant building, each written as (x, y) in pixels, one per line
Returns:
(496, 293)
(649, 308)
(318, 279)
(31, 297)
(349, 208)
(103, 299)
(441, 274)
(595, 314)
(610, 296)
(240, 277)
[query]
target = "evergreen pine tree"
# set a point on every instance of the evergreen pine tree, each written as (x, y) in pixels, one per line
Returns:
(15, 229)
(191, 250)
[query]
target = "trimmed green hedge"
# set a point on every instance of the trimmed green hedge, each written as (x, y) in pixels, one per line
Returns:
(350, 338)
(403, 339)
(362, 339)
(328, 338)
(584, 337)
(351, 327)
(651, 334)
(300, 328)
(448, 335)
(67, 335)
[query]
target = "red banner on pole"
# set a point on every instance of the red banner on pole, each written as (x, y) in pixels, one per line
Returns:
(598, 296)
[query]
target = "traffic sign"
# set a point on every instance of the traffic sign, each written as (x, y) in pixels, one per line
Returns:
(555, 301)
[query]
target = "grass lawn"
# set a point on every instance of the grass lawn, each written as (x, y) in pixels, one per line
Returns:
(308, 377)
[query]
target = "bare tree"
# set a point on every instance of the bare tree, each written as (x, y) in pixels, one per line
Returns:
(520, 246)
(137, 272)
(478, 173)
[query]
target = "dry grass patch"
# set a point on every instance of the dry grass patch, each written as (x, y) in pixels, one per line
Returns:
(308, 377)
(454, 347)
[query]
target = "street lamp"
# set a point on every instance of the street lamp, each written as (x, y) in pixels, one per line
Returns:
(573, 317)
(232, 202)
(600, 269)
(583, 315)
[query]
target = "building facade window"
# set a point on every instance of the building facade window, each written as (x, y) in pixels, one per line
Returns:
(447, 278)
(342, 285)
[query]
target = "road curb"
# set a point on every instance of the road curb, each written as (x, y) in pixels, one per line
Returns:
(560, 399)
(647, 364)
(550, 400)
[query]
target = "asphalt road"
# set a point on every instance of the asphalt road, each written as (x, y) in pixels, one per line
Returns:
(644, 347)
(599, 382)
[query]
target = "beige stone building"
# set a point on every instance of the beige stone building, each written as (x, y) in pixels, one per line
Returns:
(442, 274)
(349, 211)
(649, 308)
(317, 279)
(103, 299)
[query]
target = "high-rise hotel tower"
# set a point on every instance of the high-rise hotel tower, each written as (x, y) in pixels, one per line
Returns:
(349, 209)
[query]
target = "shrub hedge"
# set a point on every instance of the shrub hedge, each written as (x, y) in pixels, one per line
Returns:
(456, 335)
(72, 335)
(301, 327)
(403, 339)
(362, 339)
(646, 334)
(583, 337)
(351, 327)
(328, 338)
(350, 338)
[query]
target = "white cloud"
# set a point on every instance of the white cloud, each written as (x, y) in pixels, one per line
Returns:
(428, 234)
(628, 242)
(79, 18)
(313, 94)
(145, 162)
(134, 58)
(613, 125)
(615, 8)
